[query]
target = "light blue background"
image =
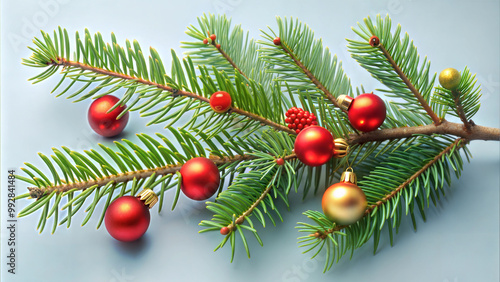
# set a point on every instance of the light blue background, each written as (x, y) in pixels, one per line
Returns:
(459, 242)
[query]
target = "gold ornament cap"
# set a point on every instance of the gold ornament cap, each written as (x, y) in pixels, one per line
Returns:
(449, 78)
(349, 176)
(344, 101)
(341, 148)
(148, 197)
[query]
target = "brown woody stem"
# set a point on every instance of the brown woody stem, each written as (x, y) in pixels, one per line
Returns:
(412, 88)
(476, 132)
(458, 142)
(460, 110)
(177, 92)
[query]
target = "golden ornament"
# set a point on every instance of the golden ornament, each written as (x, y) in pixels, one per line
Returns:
(344, 202)
(148, 197)
(449, 78)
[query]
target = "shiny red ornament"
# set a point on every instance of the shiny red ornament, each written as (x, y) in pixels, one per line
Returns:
(200, 178)
(104, 123)
(220, 102)
(224, 230)
(277, 41)
(314, 146)
(280, 161)
(367, 112)
(127, 218)
(374, 41)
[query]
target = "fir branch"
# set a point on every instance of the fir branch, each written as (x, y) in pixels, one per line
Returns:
(229, 60)
(174, 91)
(37, 192)
(410, 85)
(457, 144)
(308, 73)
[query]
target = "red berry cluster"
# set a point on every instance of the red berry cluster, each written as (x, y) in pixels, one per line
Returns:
(298, 119)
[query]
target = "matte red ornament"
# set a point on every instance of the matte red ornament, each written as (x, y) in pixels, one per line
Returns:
(200, 178)
(205, 41)
(314, 146)
(367, 112)
(213, 36)
(220, 102)
(127, 218)
(104, 123)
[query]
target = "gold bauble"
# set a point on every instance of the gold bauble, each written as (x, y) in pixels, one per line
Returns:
(449, 78)
(344, 202)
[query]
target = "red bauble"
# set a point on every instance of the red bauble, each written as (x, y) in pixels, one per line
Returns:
(220, 101)
(200, 178)
(127, 218)
(280, 161)
(314, 146)
(367, 112)
(104, 123)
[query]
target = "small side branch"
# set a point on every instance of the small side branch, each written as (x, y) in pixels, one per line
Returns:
(36, 192)
(389, 196)
(177, 92)
(412, 88)
(229, 60)
(460, 110)
(311, 77)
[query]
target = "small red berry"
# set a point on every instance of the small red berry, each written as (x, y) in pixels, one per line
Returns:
(293, 116)
(314, 117)
(217, 46)
(280, 161)
(306, 113)
(287, 114)
(297, 131)
(205, 41)
(224, 230)
(213, 36)
(295, 111)
(300, 126)
(288, 120)
(296, 121)
(300, 115)
(374, 41)
(314, 123)
(277, 41)
(308, 121)
(220, 101)
(303, 121)
(291, 126)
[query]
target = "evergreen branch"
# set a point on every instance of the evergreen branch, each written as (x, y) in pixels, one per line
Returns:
(37, 192)
(410, 85)
(308, 73)
(476, 132)
(462, 102)
(458, 143)
(407, 177)
(174, 91)
(302, 63)
(230, 61)
(395, 62)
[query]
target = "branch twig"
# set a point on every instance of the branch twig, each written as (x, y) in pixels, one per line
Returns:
(412, 88)
(178, 92)
(389, 196)
(312, 77)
